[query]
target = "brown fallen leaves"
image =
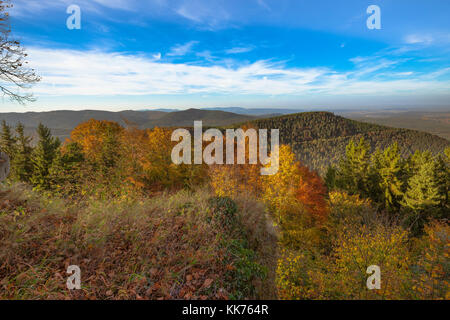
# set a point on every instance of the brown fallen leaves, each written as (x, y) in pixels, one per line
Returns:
(142, 251)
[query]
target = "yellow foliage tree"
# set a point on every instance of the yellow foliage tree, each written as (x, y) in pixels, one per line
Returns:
(432, 280)
(279, 190)
(92, 136)
(358, 248)
(237, 180)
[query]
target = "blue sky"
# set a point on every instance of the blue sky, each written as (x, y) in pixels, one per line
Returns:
(135, 54)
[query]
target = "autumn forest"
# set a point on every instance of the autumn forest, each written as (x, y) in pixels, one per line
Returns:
(335, 181)
(110, 200)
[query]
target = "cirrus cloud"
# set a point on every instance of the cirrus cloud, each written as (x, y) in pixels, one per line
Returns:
(89, 73)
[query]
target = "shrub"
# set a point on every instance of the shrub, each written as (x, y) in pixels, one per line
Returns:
(360, 247)
(224, 211)
(432, 271)
(148, 248)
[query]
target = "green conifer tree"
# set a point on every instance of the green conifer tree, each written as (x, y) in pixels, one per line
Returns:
(389, 167)
(330, 178)
(423, 195)
(22, 165)
(43, 156)
(67, 169)
(7, 140)
(375, 190)
(353, 174)
(442, 178)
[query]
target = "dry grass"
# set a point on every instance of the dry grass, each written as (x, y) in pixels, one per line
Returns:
(165, 247)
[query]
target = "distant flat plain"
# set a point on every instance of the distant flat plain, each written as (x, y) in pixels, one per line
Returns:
(433, 121)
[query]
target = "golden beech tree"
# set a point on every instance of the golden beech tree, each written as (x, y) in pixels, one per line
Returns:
(131, 158)
(293, 188)
(148, 164)
(235, 180)
(93, 135)
(279, 189)
(157, 163)
(238, 179)
(432, 281)
(360, 247)
(134, 142)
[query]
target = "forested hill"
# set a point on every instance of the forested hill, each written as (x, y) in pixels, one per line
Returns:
(62, 122)
(319, 138)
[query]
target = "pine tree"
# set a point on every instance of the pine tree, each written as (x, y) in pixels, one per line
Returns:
(7, 141)
(387, 167)
(43, 156)
(67, 168)
(447, 154)
(353, 174)
(330, 178)
(375, 190)
(22, 165)
(414, 162)
(442, 178)
(423, 195)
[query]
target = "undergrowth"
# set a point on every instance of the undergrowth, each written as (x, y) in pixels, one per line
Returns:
(185, 245)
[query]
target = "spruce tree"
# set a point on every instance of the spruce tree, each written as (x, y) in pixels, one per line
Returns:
(43, 156)
(22, 165)
(7, 141)
(423, 195)
(442, 178)
(390, 171)
(375, 190)
(66, 171)
(353, 174)
(330, 178)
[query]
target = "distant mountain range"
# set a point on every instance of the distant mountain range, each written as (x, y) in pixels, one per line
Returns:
(245, 111)
(63, 122)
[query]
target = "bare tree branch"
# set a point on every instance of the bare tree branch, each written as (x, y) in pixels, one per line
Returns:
(14, 71)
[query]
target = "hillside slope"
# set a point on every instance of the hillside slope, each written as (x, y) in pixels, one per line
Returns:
(319, 138)
(170, 246)
(62, 122)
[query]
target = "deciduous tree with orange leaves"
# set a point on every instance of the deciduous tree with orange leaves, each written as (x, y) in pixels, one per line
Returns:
(312, 193)
(295, 189)
(94, 135)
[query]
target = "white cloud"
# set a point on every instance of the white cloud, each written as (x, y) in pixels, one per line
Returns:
(116, 4)
(29, 8)
(96, 73)
(237, 50)
(185, 12)
(418, 39)
(182, 49)
(208, 14)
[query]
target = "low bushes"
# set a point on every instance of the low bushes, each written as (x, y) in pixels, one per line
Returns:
(165, 247)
